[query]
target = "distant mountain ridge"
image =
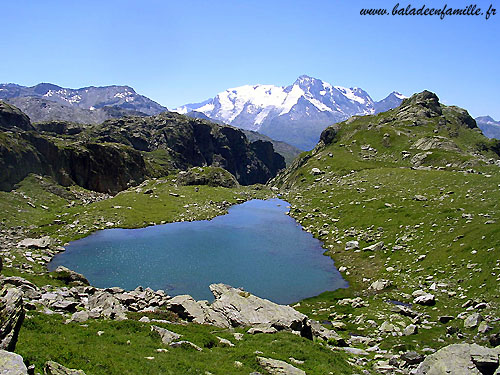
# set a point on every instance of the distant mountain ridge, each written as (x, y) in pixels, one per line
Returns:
(87, 104)
(488, 126)
(295, 114)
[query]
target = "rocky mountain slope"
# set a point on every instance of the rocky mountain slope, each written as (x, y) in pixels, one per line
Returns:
(113, 155)
(406, 203)
(490, 127)
(295, 114)
(90, 98)
(286, 150)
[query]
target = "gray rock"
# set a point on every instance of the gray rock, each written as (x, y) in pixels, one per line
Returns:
(264, 328)
(39, 243)
(277, 367)
(412, 357)
(473, 320)
(12, 364)
(234, 307)
(29, 289)
(80, 317)
(483, 327)
(11, 316)
(326, 334)
(166, 336)
(225, 342)
(375, 247)
(106, 305)
(379, 285)
(410, 329)
(421, 198)
(316, 171)
(425, 299)
(352, 245)
(460, 359)
(185, 344)
(54, 368)
(69, 276)
(187, 308)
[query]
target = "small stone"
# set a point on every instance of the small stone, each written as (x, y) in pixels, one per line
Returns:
(472, 321)
(410, 329)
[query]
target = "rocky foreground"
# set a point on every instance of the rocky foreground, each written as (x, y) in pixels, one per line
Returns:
(232, 307)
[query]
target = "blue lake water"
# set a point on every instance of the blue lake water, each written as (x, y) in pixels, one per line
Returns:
(255, 246)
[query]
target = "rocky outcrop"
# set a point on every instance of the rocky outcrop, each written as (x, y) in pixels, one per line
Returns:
(166, 336)
(114, 155)
(69, 276)
(211, 176)
(54, 368)
(461, 359)
(237, 308)
(11, 117)
(11, 316)
(195, 142)
(12, 364)
(277, 367)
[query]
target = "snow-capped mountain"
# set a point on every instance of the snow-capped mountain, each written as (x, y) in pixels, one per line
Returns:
(295, 114)
(393, 100)
(89, 98)
(488, 126)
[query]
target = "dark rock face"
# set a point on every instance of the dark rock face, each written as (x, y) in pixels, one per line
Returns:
(328, 135)
(11, 117)
(11, 316)
(112, 156)
(424, 100)
(195, 142)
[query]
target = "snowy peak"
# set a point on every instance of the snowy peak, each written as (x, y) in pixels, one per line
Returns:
(295, 114)
(393, 100)
(251, 106)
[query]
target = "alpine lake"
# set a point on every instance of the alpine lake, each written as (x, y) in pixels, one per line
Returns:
(255, 246)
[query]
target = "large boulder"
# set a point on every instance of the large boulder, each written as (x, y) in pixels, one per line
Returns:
(12, 364)
(69, 276)
(240, 308)
(187, 308)
(38, 243)
(11, 316)
(237, 308)
(461, 359)
(105, 304)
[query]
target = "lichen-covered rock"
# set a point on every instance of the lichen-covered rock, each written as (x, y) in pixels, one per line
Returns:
(11, 316)
(240, 308)
(187, 308)
(54, 368)
(166, 336)
(277, 367)
(460, 359)
(12, 364)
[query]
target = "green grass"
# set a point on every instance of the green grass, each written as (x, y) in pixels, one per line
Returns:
(123, 346)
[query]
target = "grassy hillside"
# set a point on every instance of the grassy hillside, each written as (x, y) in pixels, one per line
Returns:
(420, 183)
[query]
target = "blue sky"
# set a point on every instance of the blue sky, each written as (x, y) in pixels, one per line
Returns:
(177, 52)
